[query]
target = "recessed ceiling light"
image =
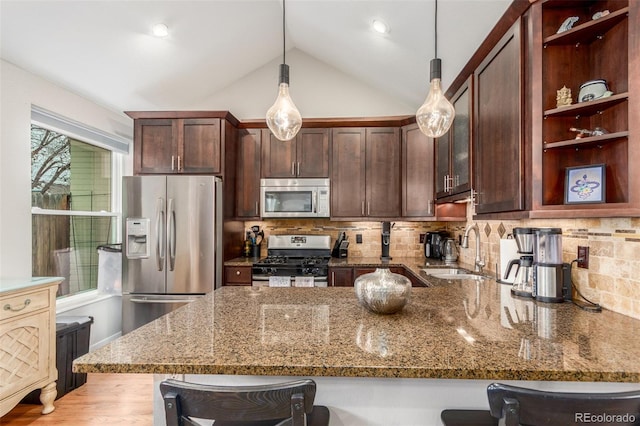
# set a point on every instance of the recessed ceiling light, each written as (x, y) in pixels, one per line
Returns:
(160, 30)
(380, 26)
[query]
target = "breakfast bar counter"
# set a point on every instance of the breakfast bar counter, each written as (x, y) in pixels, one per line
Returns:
(463, 329)
(365, 363)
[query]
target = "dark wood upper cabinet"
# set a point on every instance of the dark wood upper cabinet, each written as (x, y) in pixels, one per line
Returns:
(383, 172)
(177, 146)
(312, 153)
(167, 142)
(453, 150)
(307, 155)
(248, 173)
(348, 172)
(498, 123)
(155, 146)
(417, 173)
(365, 177)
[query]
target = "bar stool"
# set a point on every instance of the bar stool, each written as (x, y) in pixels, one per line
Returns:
(515, 405)
(263, 405)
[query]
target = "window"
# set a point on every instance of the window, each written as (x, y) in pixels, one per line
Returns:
(75, 187)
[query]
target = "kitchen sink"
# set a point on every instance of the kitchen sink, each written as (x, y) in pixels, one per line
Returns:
(452, 274)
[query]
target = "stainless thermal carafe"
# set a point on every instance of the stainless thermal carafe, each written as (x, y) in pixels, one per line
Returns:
(548, 269)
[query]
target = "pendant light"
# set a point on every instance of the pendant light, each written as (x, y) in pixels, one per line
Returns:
(435, 116)
(283, 118)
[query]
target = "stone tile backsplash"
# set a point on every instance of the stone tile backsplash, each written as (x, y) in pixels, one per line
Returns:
(612, 280)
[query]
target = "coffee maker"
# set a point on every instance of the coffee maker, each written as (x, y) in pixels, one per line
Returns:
(551, 277)
(523, 281)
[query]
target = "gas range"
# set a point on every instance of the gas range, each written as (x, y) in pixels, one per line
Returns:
(294, 260)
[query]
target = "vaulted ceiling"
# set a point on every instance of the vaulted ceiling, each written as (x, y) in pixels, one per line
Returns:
(103, 50)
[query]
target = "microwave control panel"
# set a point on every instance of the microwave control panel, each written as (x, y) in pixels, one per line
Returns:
(323, 202)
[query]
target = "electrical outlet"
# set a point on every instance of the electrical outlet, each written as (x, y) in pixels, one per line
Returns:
(422, 237)
(358, 238)
(583, 257)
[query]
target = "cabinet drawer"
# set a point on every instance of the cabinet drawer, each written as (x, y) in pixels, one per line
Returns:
(24, 303)
(238, 275)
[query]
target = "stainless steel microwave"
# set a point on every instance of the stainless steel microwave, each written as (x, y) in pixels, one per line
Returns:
(286, 198)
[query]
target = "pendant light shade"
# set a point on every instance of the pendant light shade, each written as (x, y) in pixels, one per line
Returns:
(283, 118)
(436, 114)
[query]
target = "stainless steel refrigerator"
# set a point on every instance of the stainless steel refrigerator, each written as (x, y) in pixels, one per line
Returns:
(172, 244)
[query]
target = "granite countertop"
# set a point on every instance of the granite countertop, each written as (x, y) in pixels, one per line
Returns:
(464, 329)
(241, 261)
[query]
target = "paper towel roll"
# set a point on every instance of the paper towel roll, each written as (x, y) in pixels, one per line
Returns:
(508, 251)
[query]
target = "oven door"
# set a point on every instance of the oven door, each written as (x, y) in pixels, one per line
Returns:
(262, 280)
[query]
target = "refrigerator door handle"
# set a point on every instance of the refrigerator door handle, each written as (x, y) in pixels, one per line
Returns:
(160, 250)
(154, 301)
(172, 234)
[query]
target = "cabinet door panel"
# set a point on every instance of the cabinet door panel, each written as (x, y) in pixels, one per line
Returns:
(341, 277)
(248, 173)
(154, 145)
(417, 173)
(278, 157)
(27, 339)
(498, 154)
(312, 153)
(348, 172)
(383, 172)
(201, 146)
(461, 141)
(442, 164)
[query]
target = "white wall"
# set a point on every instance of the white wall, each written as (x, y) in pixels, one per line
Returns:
(18, 91)
(317, 89)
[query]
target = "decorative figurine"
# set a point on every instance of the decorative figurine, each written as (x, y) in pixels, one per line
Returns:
(564, 97)
(599, 15)
(586, 132)
(567, 24)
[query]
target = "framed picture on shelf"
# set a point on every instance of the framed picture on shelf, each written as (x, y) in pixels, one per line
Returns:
(585, 184)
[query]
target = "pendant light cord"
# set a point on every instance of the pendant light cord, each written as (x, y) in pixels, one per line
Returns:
(435, 29)
(284, 48)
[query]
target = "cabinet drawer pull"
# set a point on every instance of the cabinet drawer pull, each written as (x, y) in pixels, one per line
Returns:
(237, 272)
(298, 171)
(179, 165)
(293, 168)
(8, 307)
(173, 162)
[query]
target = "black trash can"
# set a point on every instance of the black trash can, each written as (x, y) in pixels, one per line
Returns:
(72, 341)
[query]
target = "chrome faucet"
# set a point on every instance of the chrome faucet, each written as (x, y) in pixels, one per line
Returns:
(479, 262)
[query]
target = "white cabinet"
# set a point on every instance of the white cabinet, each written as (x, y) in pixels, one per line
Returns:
(28, 341)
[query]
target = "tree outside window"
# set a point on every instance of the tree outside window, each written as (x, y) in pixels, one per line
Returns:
(71, 192)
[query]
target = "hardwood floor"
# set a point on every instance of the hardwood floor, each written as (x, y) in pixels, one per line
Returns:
(105, 400)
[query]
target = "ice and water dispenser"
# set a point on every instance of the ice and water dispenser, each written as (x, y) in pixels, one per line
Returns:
(137, 238)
